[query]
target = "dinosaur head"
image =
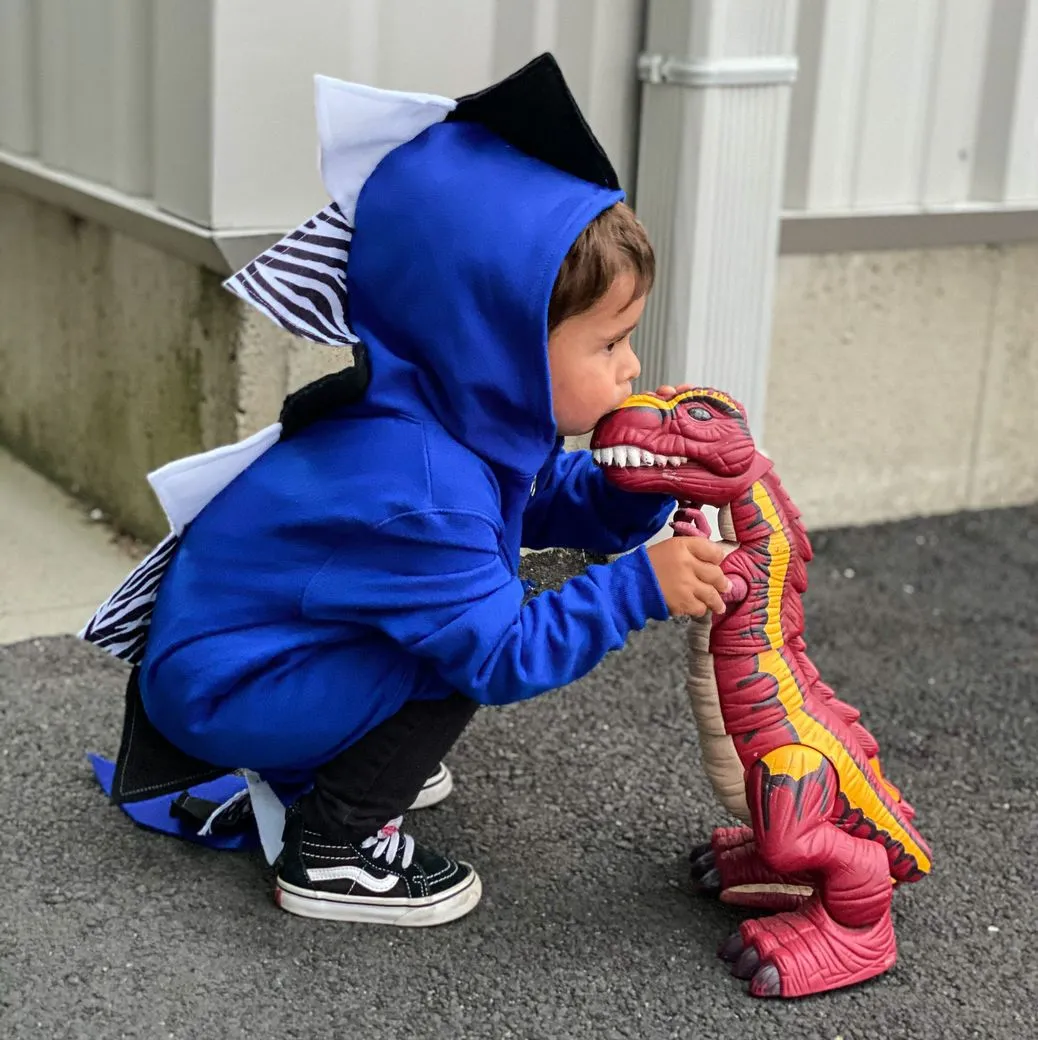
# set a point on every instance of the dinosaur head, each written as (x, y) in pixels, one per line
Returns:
(695, 446)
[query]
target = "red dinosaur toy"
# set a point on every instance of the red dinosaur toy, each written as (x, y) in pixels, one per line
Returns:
(828, 836)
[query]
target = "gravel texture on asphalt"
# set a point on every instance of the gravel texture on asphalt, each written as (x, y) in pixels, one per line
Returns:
(578, 809)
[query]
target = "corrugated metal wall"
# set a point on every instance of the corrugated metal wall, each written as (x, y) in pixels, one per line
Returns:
(913, 106)
(205, 106)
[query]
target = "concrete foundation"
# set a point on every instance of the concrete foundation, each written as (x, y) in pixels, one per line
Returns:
(116, 357)
(906, 382)
(901, 383)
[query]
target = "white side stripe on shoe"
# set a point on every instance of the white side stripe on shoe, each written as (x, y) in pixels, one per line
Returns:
(357, 874)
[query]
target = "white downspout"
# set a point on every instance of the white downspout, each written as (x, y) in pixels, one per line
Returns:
(717, 76)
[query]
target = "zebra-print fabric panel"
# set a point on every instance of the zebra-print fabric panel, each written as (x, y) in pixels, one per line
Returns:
(120, 625)
(300, 282)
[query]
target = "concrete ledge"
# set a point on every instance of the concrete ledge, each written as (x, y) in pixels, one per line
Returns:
(937, 229)
(224, 251)
(220, 251)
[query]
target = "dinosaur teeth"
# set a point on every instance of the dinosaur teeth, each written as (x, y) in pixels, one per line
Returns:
(627, 455)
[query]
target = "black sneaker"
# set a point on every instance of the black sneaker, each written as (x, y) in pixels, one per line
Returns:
(384, 879)
(435, 789)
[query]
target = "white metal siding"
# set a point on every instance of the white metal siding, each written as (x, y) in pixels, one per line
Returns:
(954, 101)
(206, 106)
(909, 106)
(18, 84)
(709, 190)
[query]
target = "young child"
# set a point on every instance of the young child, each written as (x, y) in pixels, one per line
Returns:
(340, 610)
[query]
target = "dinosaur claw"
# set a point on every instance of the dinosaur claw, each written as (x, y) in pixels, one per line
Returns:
(747, 964)
(766, 982)
(708, 883)
(730, 949)
(700, 851)
(701, 864)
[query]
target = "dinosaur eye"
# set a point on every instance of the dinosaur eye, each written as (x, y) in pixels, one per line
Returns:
(700, 413)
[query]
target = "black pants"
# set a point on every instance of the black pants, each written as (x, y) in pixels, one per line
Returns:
(377, 779)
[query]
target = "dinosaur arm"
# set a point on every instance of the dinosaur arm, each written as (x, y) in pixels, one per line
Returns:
(738, 592)
(575, 507)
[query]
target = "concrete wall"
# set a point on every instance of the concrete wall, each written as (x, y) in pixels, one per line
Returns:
(900, 383)
(905, 382)
(116, 357)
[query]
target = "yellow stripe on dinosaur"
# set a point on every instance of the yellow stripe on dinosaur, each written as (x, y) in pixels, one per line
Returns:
(794, 760)
(771, 661)
(648, 401)
(854, 784)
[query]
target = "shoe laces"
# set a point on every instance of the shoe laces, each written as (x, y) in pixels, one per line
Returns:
(388, 841)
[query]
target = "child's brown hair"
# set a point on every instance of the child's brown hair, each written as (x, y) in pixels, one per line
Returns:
(614, 242)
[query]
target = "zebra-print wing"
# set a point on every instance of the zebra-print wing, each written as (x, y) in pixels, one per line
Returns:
(299, 283)
(120, 625)
(183, 487)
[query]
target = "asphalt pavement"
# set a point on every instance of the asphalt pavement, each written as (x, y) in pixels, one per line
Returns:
(578, 810)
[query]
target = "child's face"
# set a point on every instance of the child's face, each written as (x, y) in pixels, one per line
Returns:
(591, 360)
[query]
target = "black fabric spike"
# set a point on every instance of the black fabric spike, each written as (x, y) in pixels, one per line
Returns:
(534, 110)
(326, 395)
(148, 765)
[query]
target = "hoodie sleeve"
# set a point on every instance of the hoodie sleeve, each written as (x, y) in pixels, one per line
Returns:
(434, 582)
(575, 507)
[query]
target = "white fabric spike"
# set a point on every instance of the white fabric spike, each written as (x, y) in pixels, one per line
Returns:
(359, 126)
(185, 486)
(269, 813)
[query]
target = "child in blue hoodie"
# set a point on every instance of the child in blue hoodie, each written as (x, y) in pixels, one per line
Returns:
(339, 611)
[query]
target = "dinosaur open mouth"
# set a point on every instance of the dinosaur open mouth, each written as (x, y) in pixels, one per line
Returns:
(625, 455)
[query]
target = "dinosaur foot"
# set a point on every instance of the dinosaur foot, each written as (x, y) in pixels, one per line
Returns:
(805, 951)
(730, 868)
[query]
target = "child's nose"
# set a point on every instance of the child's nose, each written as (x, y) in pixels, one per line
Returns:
(633, 368)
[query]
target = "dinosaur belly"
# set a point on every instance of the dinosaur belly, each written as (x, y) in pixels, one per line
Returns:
(720, 759)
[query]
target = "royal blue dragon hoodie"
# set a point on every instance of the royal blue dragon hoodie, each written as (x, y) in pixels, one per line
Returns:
(372, 558)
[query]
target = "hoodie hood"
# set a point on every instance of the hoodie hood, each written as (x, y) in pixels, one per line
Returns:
(458, 240)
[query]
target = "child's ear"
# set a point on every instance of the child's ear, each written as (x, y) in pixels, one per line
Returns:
(328, 394)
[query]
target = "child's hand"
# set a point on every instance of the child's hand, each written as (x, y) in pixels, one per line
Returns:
(667, 392)
(689, 576)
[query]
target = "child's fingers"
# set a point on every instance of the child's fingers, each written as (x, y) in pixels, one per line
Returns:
(712, 575)
(670, 391)
(712, 598)
(705, 550)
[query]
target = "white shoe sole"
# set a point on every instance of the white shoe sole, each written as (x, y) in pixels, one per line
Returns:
(435, 789)
(424, 912)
